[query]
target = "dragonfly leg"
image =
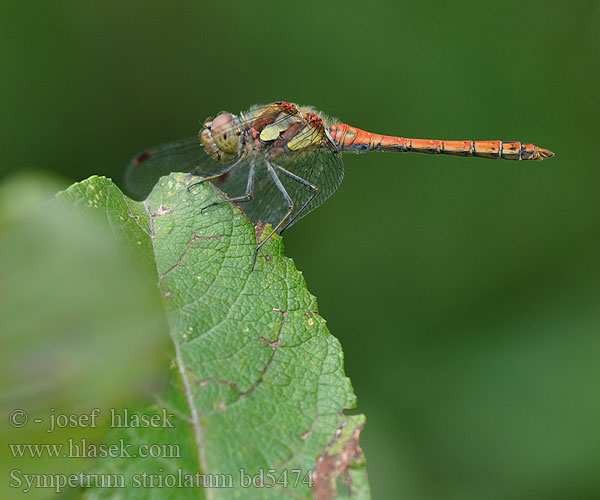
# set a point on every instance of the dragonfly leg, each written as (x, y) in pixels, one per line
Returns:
(247, 196)
(288, 199)
(219, 175)
(312, 187)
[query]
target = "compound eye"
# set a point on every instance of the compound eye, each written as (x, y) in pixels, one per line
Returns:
(225, 133)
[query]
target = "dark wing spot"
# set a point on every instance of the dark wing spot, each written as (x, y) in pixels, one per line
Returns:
(142, 157)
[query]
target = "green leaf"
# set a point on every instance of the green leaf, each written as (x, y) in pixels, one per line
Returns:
(258, 388)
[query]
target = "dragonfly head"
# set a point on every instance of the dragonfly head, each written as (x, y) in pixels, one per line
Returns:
(222, 136)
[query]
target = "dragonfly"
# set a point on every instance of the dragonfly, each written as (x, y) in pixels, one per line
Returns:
(281, 161)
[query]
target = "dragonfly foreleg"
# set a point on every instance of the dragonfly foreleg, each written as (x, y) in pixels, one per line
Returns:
(247, 196)
(311, 186)
(271, 168)
(223, 173)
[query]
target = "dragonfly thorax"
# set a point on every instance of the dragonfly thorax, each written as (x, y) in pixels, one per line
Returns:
(221, 137)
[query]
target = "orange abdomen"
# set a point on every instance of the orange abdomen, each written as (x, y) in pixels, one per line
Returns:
(354, 139)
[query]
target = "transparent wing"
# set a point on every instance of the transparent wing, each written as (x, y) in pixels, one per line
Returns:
(321, 166)
(187, 155)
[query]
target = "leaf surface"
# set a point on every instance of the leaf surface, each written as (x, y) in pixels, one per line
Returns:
(258, 387)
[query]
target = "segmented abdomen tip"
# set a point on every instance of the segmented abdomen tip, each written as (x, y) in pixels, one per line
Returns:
(546, 153)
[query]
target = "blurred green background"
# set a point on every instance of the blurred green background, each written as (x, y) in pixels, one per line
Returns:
(465, 292)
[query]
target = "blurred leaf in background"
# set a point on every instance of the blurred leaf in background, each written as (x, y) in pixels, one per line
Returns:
(81, 321)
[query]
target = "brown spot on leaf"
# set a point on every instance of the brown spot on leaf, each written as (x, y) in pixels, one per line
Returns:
(162, 210)
(332, 467)
(260, 227)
